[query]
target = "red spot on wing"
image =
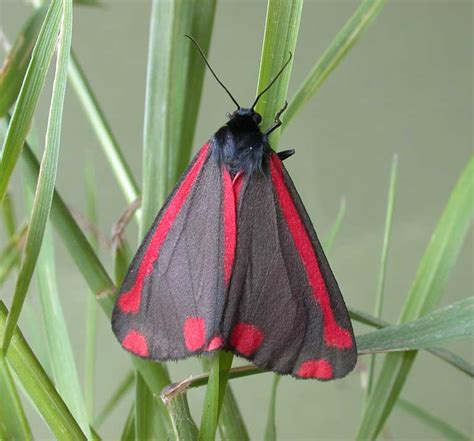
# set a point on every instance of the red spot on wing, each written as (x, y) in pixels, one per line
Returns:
(194, 331)
(215, 343)
(334, 335)
(135, 342)
(321, 369)
(246, 338)
(230, 226)
(129, 301)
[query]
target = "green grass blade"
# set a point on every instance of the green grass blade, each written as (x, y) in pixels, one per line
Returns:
(38, 386)
(431, 277)
(328, 241)
(379, 297)
(61, 356)
(270, 429)
(168, 60)
(443, 428)
(91, 305)
(450, 323)
(144, 409)
(13, 421)
(46, 180)
(336, 51)
(8, 214)
(103, 131)
(201, 29)
(16, 63)
(124, 386)
(128, 433)
(31, 88)
(10, 255)
(281, 32)
(220, 365)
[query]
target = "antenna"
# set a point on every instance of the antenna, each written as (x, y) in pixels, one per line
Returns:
(272, 82)
(210, 68)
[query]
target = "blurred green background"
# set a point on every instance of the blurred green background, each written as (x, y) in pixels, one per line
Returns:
(405, 88)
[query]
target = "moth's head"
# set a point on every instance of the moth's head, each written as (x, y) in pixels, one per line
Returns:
(244, 119)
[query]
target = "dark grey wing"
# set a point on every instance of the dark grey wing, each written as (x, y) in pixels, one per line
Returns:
(284, 310)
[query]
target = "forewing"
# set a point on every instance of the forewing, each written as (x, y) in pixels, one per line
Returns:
(171, 301)
(285, 311)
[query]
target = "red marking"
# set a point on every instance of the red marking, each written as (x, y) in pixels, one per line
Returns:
(230, 226)
(216, 343)
(334, 335)
(246, 338)
(321, 369)
(135, 342)
(237, 184)
(194, 331)
(129, 302)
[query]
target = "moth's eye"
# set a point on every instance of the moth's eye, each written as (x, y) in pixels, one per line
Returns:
(257, 118)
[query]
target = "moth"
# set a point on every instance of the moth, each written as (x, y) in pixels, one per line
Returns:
(232, 262)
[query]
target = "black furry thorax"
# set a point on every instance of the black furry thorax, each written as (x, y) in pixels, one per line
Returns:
(240, 144)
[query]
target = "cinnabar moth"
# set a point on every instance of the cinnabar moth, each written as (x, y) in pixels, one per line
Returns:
(232, 262)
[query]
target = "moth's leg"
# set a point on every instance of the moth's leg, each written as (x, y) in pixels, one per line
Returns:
(276, 122)
(285, 154)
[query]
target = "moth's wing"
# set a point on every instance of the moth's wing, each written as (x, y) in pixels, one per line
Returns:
(171, 301)
(285, 311)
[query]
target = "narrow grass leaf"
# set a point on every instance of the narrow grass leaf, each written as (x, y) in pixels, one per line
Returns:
(38, 386)
(379, 296)
(47, 177)
(168, 59)
(31, 88)
(61, 356)
(270, 429)
(281, 33)
(431, 278)
(13, 421)
(450, 323)
(128, 433)
(91, 303)
(184, 428)
(201, 30)
(8, 214)
(15, 64)
(337, 50)
(124, 386)
(144, 409)
(103, 131)
(442, 427)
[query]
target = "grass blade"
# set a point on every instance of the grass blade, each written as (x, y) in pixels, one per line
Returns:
(184, 427)
(128, 433)
(379, 297)
(144, 409)
(201, 29)
(220, 365)
(103, 131)
(124, 386)
(336, 51)
(13, 422)
(328, 241)
(8, 215)
(46, 180)
(446, 430)
(431, 277)
(91, 305)
(36, 383)
(16, 63)
(10, 255)
(281, 32)
(270, 430)
(31, 88)
(452, 322)
(61, 356)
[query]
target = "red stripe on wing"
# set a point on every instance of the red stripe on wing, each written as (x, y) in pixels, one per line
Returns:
(334, 335)
(230, 226)
(129, 302)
